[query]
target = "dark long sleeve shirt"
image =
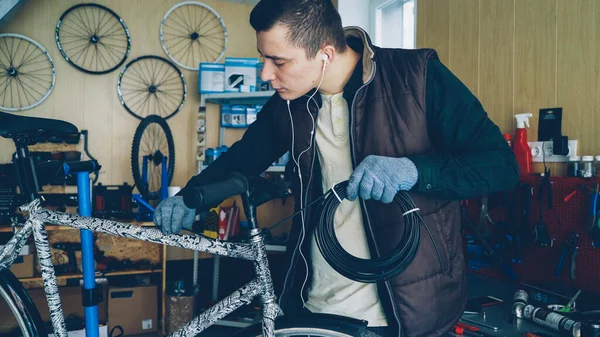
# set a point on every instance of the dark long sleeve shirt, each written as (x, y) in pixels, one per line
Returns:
(468, 144)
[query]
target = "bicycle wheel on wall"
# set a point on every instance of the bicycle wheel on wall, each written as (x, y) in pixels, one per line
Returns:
(93, 38)
(152, 142)
(20, 317)
(27, 73)
(192, 32)
(151, 85)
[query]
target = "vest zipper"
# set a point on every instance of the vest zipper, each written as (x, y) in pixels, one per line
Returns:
(364, 207)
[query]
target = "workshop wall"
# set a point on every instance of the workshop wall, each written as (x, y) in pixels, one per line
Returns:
(519, 56)
(91, 101)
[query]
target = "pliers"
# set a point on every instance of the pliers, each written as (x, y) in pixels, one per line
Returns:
(569, 248)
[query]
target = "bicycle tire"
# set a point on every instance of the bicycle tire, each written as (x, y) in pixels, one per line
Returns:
(136, 155)
(317, 326)
(115, 60)
(140, 69)
(21, 305)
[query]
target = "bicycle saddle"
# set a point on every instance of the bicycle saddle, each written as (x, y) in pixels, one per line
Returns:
(12, 126)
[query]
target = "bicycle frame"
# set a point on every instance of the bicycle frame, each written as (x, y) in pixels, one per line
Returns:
(261, 286)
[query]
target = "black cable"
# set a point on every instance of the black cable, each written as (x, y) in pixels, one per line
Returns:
(374, 269)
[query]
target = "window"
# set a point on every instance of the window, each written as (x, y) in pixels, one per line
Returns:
(393, 23)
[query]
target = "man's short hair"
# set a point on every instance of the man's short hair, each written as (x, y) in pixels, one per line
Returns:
(311, 24)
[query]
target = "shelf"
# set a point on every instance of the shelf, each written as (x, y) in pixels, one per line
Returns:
(6, 229)
(258, 97)
(278, 168)
(59, 189)
(98, 274)
(275, 248)
(234, 324)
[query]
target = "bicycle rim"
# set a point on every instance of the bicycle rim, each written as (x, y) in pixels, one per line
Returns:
(93, 38)
(21, 318)
(312, 332)
(151, 85)
(27, 73)
(192, 33)
(153, 140)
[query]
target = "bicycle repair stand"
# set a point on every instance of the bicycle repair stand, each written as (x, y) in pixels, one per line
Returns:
(90, 294)
(145, 210)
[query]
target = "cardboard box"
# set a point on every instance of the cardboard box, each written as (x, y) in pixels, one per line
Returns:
(23, 266)
(211, 78)
(70, 301)
(134, 309)
(240, 71)
(71, 306)
(102, 332)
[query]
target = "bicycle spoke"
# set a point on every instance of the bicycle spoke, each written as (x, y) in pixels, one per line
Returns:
(143, 83)
(93, 38)
(184, 29)
(27, 73)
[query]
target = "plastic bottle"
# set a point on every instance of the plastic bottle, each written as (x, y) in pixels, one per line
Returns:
(573, 166)
(521, 147)
(586, 169)
(508, 138)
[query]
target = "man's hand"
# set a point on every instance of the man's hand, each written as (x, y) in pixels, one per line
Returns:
(172, 215)
(380, 178)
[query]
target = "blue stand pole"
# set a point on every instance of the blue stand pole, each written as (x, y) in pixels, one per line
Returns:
(164, 180)
(87, 253)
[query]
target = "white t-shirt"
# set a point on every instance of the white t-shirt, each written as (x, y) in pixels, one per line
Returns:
(330, 292)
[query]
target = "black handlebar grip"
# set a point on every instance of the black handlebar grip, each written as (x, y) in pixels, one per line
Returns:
(210, 195)
(82, 166)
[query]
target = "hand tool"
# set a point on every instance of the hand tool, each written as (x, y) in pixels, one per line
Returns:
(467, 327)
(570, 248)
(495, 328)
(570, 305)
(541, 235)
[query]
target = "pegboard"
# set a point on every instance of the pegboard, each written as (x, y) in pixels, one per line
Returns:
(565, 216)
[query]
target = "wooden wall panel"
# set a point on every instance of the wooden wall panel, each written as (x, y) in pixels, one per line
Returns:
(421, 10)
(437, 30)
(464, 34)
(592, 115)
(90, 101)
(496, 68)
(532, 54)
(535, 58)
(575, 79)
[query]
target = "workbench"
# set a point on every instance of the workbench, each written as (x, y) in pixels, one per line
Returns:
(498, 315)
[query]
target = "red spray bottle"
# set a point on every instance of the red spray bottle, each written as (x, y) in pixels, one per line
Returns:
(521, 147)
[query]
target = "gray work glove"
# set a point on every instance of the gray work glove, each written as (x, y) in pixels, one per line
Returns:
(172, 215)
(380, 178)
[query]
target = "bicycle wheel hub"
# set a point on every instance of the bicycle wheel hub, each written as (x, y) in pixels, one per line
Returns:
(11, 71)
(94, 39)
(152, 89)
(156, 158)
(194, 36)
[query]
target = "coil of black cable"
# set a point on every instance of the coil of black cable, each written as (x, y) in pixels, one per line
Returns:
(374, 269)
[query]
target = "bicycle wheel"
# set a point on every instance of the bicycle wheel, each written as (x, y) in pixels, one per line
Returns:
(20, 317)
(152, 142)
(151, 85)
(314, 327)
(92, 38)
(27, 73)
(192, 32)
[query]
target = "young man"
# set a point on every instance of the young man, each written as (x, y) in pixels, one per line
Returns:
(386, 120)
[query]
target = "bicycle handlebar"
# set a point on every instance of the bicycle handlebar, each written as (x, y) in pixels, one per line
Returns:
(210, 195)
